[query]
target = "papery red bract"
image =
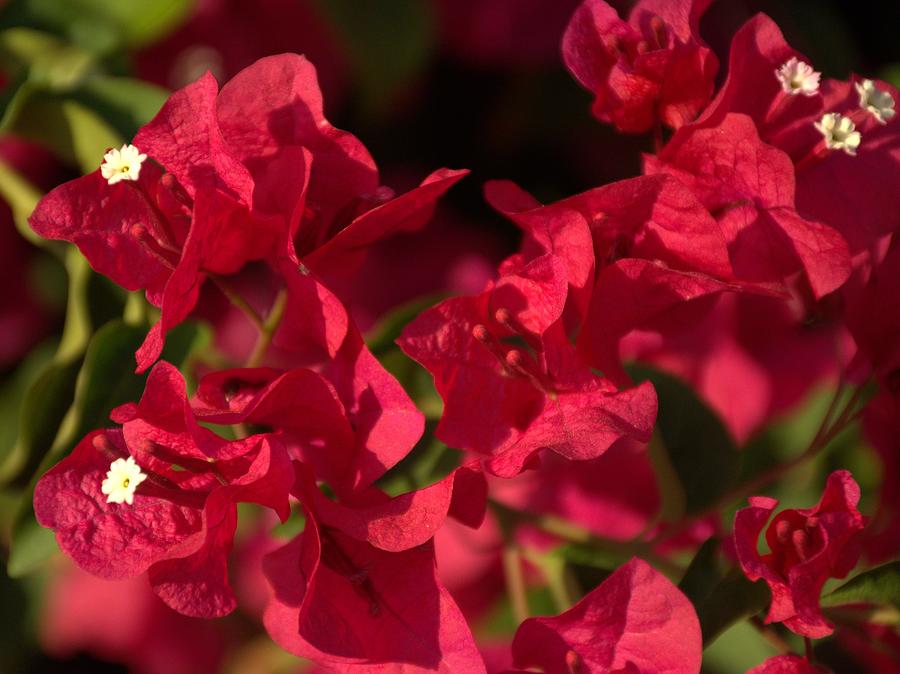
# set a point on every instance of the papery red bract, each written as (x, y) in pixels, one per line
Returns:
(182, 522)
(386, 421)
(808, 546)
(873, 317)
(255, 172)
(635, 294)
(786, 664)
(352, 607)
(549, 229)
(299, 404)
(408, 520)
(614, 496)
(504, 403)
(749, 188)
(635, 621)
(844, 192)
(747, 375)
(469, 563)
(649, 70)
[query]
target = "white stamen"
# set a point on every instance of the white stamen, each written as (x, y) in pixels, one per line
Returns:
(124, 164)
(840, 132)
(797, 77)
(122, 479)
(879, 103)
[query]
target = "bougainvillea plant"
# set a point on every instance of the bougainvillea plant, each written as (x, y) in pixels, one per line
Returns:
(575, 440)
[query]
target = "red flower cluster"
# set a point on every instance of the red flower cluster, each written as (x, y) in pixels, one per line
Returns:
(807, 548)
(763, 205)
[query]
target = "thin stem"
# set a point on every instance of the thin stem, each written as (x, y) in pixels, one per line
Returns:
(810, 655)
(268, 328)
(237, 300)
(515, 581)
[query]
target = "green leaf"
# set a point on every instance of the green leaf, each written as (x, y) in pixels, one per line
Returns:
(50, 62)
(45, 404)
(124, 102)
(12, 393)
(389, 42)
(701, 451)
(22, 197)
(382, 336)
(74, 132)
(740, 648)
(103, 26)
(880, 585)
(720, 599)
(703, 574)
(732, 599)
(107, 378)
(31, 545)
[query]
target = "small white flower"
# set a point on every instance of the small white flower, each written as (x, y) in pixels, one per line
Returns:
(122, 478)
(879, 103)
(797, 77)
(840, 133)
(124, 164)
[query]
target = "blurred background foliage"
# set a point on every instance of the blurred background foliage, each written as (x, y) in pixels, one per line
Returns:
(423, 83)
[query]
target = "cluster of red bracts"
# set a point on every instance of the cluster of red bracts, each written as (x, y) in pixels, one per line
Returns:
(745, 212)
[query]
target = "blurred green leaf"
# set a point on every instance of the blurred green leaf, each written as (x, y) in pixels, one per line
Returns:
(880, 585)
(416, 380)
(13, 605)
(103, 25)
(583, 554)
(76, 134)
(733, 598)
(31, 545)
(107, 378)
(700, 449)
(13, 393)
(738, 649)
(389, 43)
(50, 62)
(45, 403)
(703, 573)
(21, 197)
(382, 336)
(126, 103)
(720, 599)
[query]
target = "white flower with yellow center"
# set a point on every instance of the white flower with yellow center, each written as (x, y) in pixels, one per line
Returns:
(840, 133)
(122, 479)
(124, 164)
(797, 77)
(879, 103)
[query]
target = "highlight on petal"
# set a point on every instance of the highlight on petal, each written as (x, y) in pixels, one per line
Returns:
(636, 620)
